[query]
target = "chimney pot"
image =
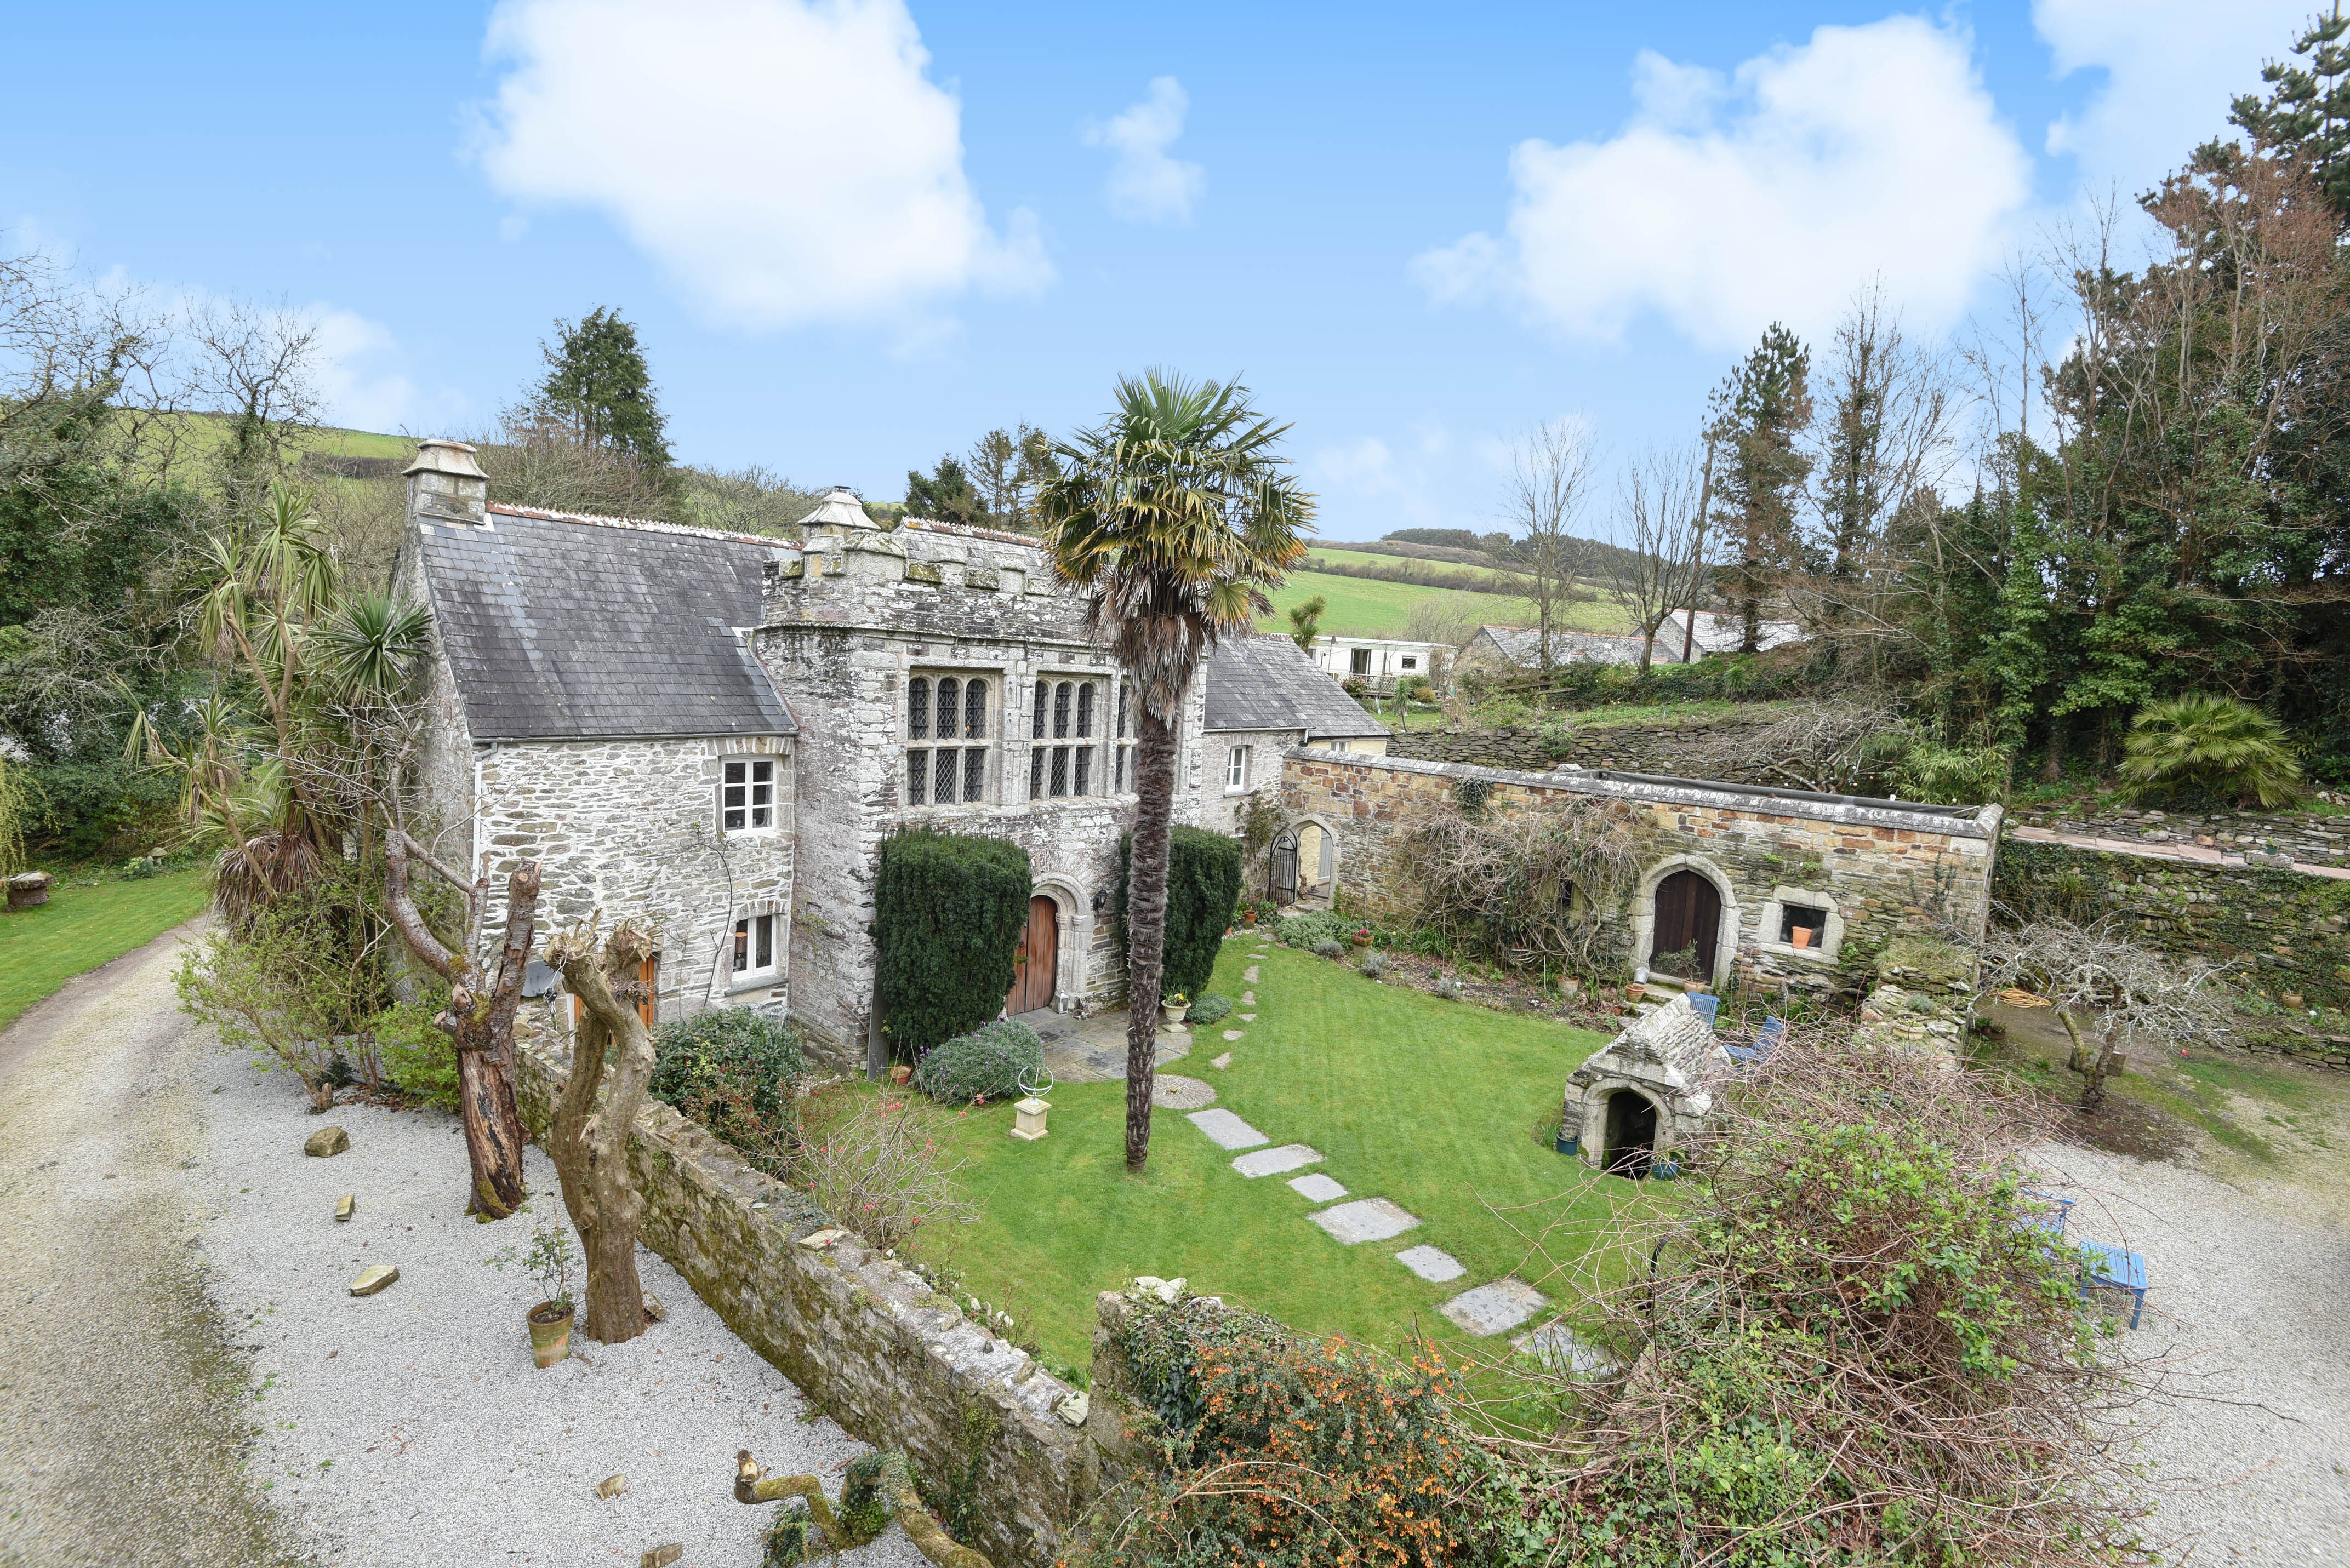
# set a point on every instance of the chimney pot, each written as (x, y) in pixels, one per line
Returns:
(446, 484)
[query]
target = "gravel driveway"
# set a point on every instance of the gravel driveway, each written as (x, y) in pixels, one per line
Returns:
(184, 1377)
(2248, 1303)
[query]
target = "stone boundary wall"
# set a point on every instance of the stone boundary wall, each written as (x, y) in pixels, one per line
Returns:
(1632, 748)
(2262, 838)
(895, 1363)
(2280, 929)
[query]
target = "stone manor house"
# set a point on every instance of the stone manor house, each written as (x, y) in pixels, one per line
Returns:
(716, 732)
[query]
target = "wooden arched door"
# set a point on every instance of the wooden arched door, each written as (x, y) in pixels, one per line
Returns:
(1688, 925)
(1036, 961)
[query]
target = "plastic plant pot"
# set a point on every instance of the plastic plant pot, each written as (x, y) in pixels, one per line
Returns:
(550, 1333)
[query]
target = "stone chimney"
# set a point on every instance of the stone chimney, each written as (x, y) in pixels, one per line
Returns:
(446, 485)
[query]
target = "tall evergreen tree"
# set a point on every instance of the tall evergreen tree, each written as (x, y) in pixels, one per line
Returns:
(945, 495)
(2308, 112)
(599, 386)
(1005, 467)
(1759, 415)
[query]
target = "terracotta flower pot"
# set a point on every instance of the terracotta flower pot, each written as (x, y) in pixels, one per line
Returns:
(550, 1333)
(1248, 917)
(1802, 937)
(1634, 991)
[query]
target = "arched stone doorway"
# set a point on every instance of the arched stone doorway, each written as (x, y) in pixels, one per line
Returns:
(1716, 952)
(1304, 865)
(1631, 1142)
(1687, 928)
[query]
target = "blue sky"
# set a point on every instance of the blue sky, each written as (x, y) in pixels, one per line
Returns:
(856, 235)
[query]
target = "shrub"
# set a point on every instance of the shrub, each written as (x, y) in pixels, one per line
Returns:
(1309, 931)
(419, 1056)
(949, 910)
(283, 984)
(1374, 963)
(736, 1072)
(1288, 1451)
(885, 1172)
(990, 1061)
(2201, 746)
(1212, 1008)
(1954, 775)
(1330, 948)
(1203, 885)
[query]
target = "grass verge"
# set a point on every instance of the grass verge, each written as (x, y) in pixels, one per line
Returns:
(81, 927)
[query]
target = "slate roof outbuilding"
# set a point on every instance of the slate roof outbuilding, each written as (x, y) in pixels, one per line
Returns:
(1261, 681)
(569, 629)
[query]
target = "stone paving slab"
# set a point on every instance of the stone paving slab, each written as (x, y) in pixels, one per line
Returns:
(1248, 999)
(1273, 1161)
(1232, 1033)
(1248, 1018)
(1432, 1263)
(1221, 1062)
(1317, 1187)
(1248, 974)
(1496, 1308)
(1226, 1130)
(1365, 1220)
(1093, 1050)
(1560, 1348)
(1176, 1093)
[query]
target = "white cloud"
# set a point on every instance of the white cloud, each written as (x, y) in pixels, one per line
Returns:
(1146, 186)
(785, 161)
(360, 381)
(2171, 68)
(1730, 202)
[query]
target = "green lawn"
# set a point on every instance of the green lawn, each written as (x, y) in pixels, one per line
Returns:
(80, 928)
(1367, 607)
(1444, 1107)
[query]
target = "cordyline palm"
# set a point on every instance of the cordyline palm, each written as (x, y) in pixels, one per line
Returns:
(1175, 515)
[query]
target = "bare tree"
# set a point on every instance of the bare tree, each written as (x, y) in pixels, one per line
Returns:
(1827, 746)
(1659, 532)
(536, 460)
(481, 1007)
(258, 368)
(2093, 974)
(1548, 485)
(588, 1137)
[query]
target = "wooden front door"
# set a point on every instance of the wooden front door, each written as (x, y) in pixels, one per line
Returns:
(1036, 961)
(649, 974)
(1688, 915)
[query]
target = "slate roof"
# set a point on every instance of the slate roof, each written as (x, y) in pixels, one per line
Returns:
(1258, 681)
(565, 628)
(1518, 644)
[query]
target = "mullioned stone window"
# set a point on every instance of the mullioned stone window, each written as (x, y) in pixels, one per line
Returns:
(947, 739)
(1064, 737)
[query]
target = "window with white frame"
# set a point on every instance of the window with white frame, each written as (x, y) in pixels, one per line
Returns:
(1122, 764)
(757, 947)
(746, 795)
(1064, 735)
(947, 739)
(1237, 771)
(1358, 661)
(1412, 661)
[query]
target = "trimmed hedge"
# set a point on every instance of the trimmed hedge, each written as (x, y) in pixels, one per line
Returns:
(1203, 887)
(948, 911)
(991, 1060)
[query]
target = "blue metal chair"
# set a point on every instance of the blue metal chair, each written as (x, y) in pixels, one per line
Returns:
(2113, 1269)
(1705, 1006)
(1766, 1040)
(2052, 1223)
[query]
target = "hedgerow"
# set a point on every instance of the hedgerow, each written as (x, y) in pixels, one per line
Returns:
(1203, 885)
(948, 911)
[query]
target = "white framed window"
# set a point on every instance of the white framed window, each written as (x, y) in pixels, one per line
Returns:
(746, 795)
(1236, 772)
(1064, 735)
(757, 947)
(1122, 748)
(1358, 661)
(1412, 661)
(947, 739)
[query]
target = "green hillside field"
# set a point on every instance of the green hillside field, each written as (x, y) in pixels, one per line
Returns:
(1365, 607)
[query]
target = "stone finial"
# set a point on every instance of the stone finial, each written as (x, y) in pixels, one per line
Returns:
(838, 509)
(446, 484)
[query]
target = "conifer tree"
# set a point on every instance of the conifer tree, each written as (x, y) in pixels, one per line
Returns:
(1759, 415)
(599, 386)
(2308, 112)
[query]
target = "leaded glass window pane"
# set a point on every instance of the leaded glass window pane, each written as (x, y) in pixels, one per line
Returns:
(1085, 770)
(918, 709)
(1060, 771)
(974, 768)
(1085, 710)
(974, 711)
(949, 691)
(1036, 728)
(1037, 773)
(944, 779)
(1061, 712)
(917, 777)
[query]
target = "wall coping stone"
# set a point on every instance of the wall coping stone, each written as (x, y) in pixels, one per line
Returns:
(1982, 822)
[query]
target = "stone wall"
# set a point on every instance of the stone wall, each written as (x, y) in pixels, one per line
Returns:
(1220, 804)
(629, 829)
(896, 1364)
(1633, 748)
(1878, 872)
(2273, 838)
(2280, 931)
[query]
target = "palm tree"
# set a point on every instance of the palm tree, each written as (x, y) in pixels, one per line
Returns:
(1175, 515)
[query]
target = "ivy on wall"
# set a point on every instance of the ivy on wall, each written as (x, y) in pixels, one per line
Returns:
(948, 912)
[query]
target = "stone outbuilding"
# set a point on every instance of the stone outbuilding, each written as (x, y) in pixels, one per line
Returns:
(1635, 1102)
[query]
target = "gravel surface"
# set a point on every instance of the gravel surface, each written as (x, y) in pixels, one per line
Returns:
(2249, 1305)
(123, 1411)
(411, 1427)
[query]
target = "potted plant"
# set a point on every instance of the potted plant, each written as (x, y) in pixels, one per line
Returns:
(1635, 991)
(1362, 936)
(550, 1259)
(1248, 915)
(1175, 1006)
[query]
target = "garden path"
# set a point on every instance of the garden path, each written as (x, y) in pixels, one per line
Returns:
(1494, 1307)
(1092, 1049)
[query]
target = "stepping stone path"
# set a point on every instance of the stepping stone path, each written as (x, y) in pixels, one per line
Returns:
(1560, 1348)
(1232, 1033)
(1366, 1220)
(1496, 1308)
(1221, 1062)
(1226, 1130)
(1248, 1018)
(1273, 1161)
(1176, 1093)
(1248, 974)
(1317, 1187)
(1432, 1263)
(1248, 999)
